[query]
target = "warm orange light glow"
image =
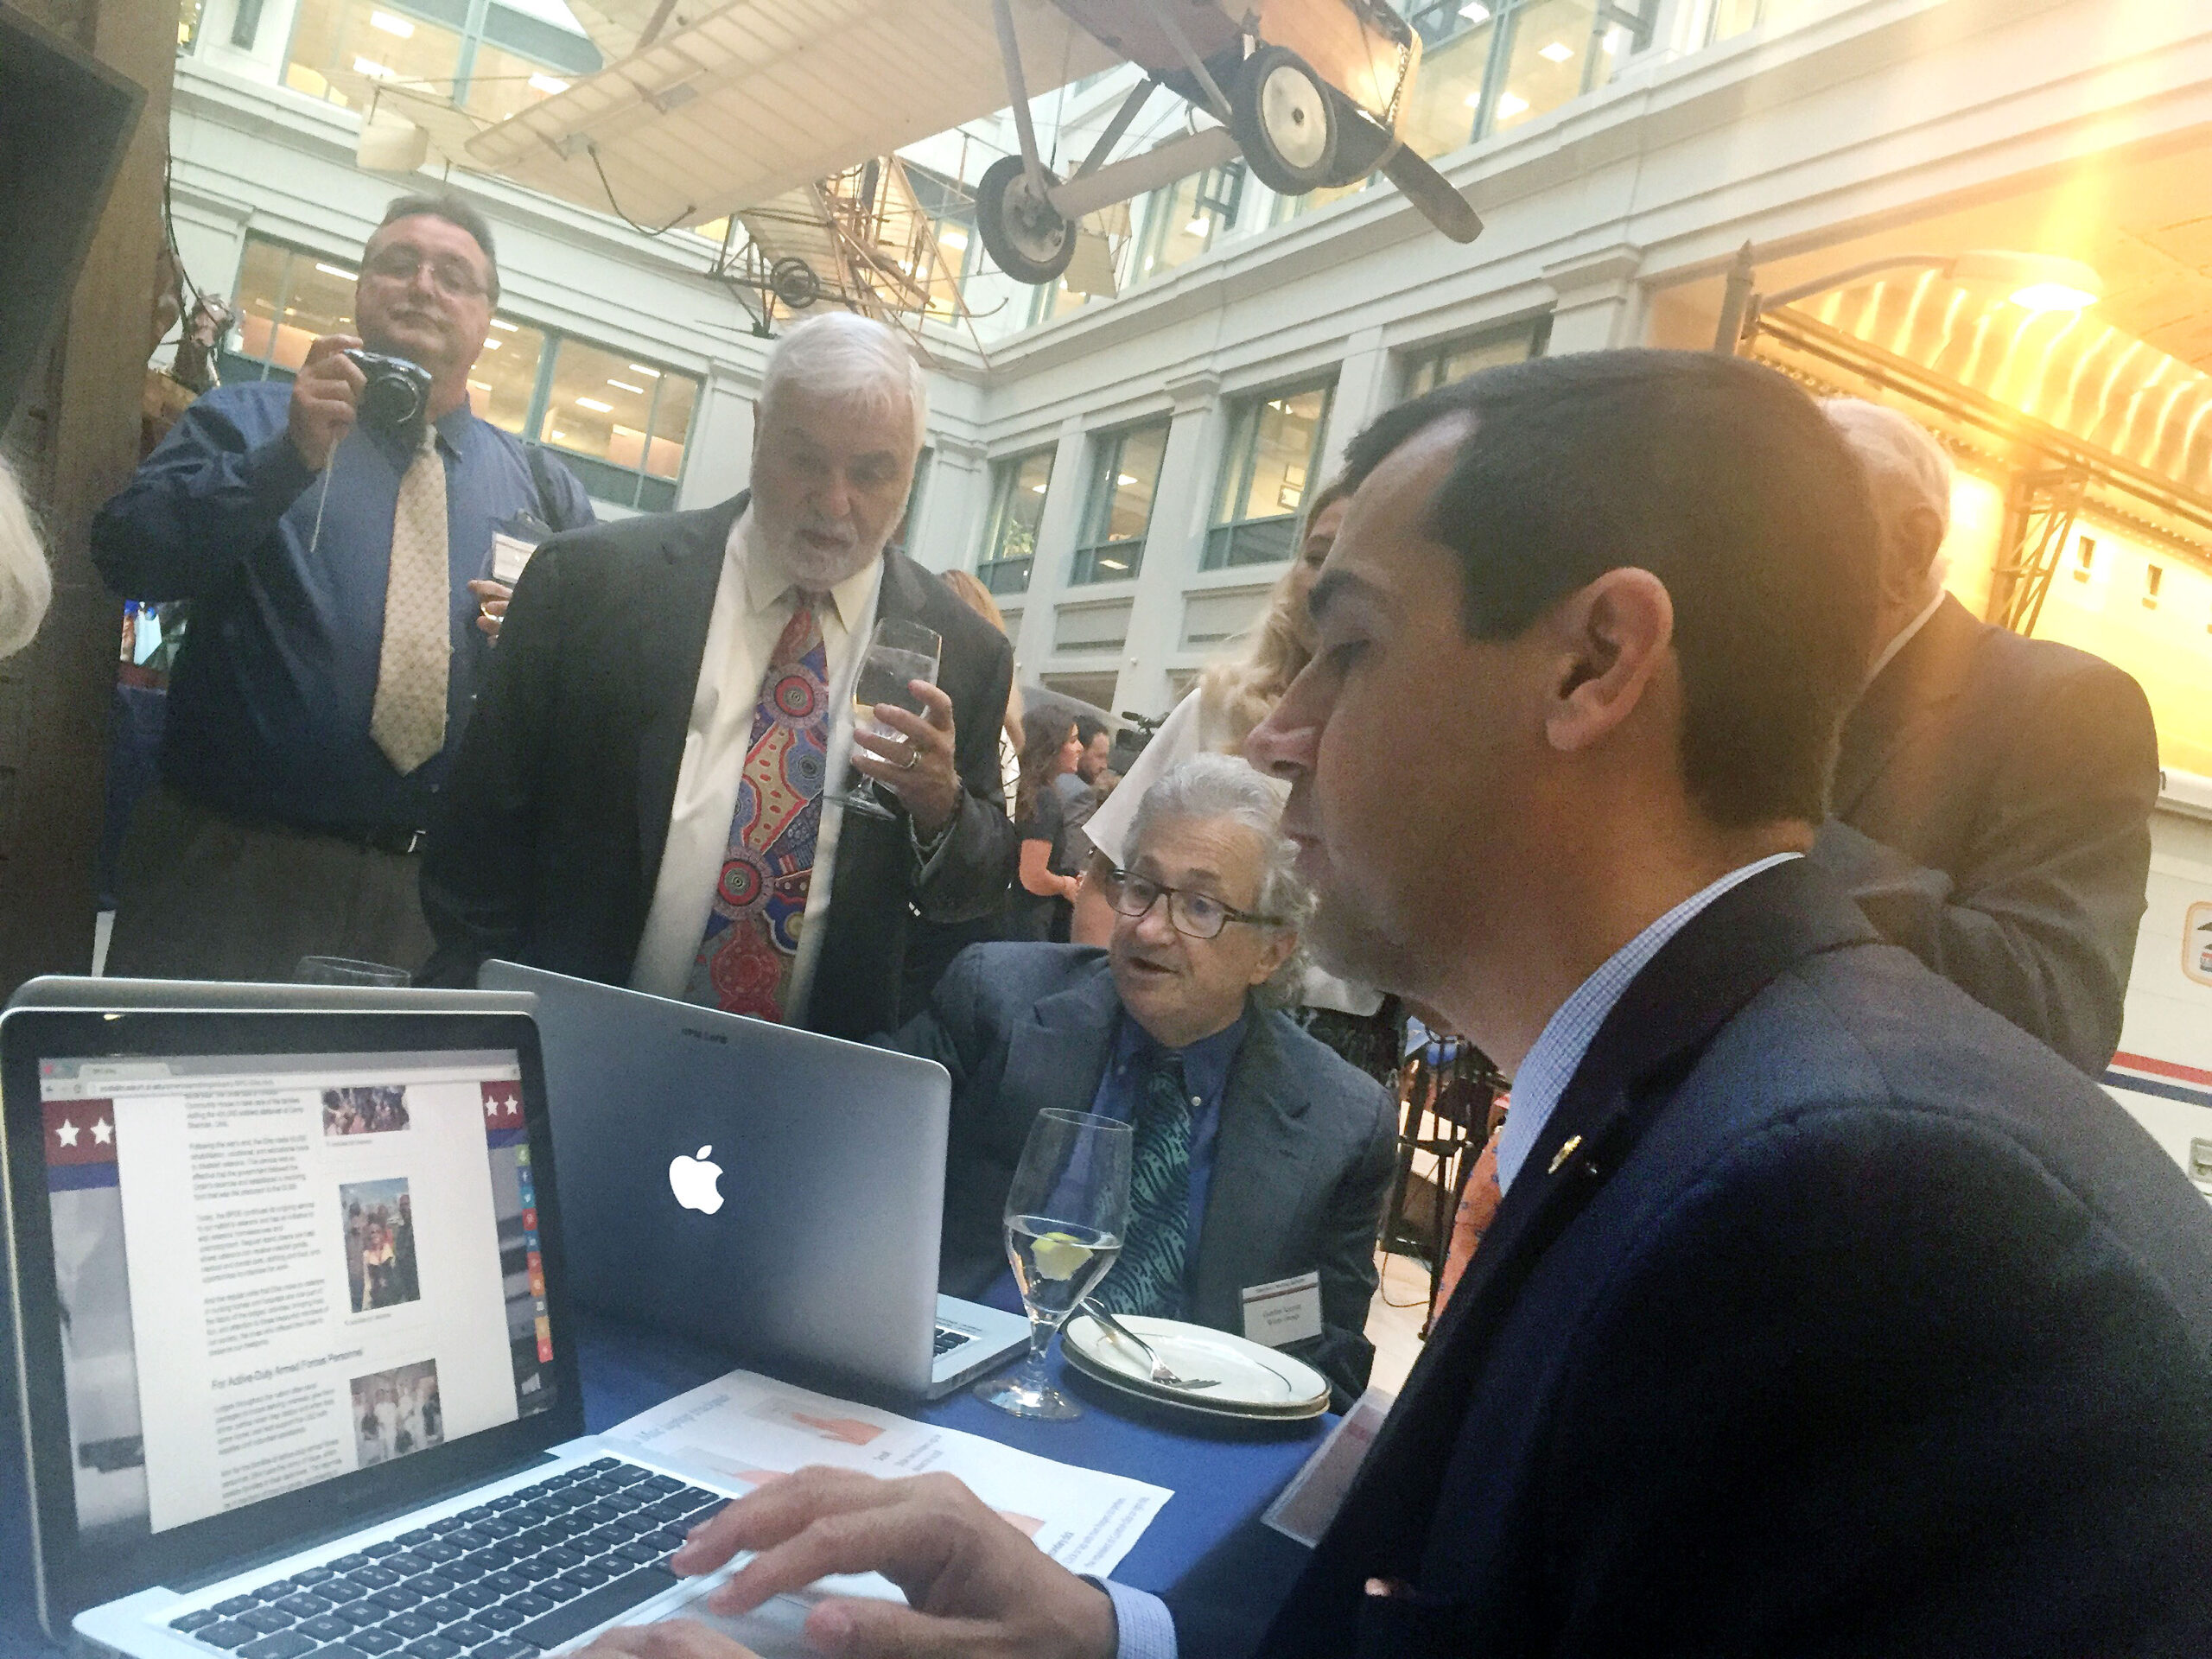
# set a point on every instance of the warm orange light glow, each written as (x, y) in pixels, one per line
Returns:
(2052, 297)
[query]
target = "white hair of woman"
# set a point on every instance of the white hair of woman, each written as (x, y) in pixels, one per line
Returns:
(851, 361)
(26, 584)
(1228, 786)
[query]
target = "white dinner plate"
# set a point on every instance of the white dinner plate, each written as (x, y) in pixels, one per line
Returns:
(1251, 1381)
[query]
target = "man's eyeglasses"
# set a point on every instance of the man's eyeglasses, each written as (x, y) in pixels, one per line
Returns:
(1195, 914)
(453, 276)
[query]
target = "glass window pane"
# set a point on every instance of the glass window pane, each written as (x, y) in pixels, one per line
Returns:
(337, 44)
(503, 83)
(1128, 495)
(318, 300)
(679, 396)
(599, 405)
(260, 292)
(1286, 434)
(1455, 363)
(1547, 60)
(505, 375)
(1449, 91)
(1022, 505)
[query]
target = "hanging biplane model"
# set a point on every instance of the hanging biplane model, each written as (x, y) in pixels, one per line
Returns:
(711, 109)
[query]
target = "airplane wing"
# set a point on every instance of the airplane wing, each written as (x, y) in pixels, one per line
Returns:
(763, 97)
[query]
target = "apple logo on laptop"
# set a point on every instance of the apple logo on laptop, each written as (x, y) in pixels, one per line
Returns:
(694, 1181)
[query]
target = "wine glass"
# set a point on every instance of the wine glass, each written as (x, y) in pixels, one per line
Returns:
(1065, 1215)
(901, 650)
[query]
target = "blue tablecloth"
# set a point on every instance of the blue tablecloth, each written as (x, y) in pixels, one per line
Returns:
(1221, 1475)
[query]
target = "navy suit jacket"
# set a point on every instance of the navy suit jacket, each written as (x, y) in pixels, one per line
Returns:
(1301, 1164)
(1830, 1315)
(1992, 814)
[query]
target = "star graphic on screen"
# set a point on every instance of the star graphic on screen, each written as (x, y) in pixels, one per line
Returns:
(103, 1133)
(513, 1106)
(67, 1133)
(491, 1109)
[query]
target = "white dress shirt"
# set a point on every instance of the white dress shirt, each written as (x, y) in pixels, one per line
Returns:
(754, 601)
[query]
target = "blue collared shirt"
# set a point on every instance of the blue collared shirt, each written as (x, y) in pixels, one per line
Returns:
(1144, 1629)
(269, 706)
(1551, 1064)
(1206, 1077)
(1206, 1065)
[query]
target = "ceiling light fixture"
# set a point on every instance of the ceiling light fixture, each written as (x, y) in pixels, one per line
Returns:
(339, 271)
(623, 385)
(640, 368)
(372, 68)
(1557, 52)
(494, 345)
(595, 405)
(548, 84)
(1511, 104)
(1475, 12)
(501, 322)
(392, 25)
(953, 239)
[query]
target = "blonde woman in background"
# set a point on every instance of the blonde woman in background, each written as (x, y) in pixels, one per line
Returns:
(1230, 698)
(26, 584)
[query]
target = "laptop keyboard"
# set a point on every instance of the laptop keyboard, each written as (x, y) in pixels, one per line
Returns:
(517, 1575)
(950, 1337)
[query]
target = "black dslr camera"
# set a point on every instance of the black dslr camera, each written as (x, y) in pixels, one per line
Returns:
(398, 391)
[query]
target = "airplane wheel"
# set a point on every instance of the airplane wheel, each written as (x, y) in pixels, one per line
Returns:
(1361, 142)
(1283, 118)
(1023, 232)
(791, 280)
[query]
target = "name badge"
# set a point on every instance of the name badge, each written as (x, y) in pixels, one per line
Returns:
(509, 555)
(1288, 1310)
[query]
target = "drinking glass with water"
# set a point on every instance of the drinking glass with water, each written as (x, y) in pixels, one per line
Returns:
(900, 652)
(1066, 1216)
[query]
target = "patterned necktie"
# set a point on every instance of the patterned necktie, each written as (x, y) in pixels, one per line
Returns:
(1148, 1278)
(746, 956)
(408, 720)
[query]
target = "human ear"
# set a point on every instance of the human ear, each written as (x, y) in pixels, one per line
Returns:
(1281, 941)
(1611, 636)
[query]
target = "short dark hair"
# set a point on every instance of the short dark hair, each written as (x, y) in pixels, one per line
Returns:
(455, 209)
(1087, 727)
(1721, 479)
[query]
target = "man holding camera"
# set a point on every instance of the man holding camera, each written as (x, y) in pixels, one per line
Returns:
(336, 539)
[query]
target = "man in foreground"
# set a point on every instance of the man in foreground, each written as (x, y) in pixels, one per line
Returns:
(642, 798)
(335, 569)
(1991, 804)
(1260, 1155)
(1825, 1313)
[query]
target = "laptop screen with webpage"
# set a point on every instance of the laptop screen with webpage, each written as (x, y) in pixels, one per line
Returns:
(276, 1270)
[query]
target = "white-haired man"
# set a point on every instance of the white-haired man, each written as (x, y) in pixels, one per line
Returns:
(640, 798)
(1260, 1156)
(1993, 796)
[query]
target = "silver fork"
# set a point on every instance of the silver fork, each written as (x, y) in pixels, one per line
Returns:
(1160, 1374)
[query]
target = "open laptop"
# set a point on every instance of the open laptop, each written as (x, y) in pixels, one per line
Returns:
(770, 1190)
(75, 991)
(297, 1375)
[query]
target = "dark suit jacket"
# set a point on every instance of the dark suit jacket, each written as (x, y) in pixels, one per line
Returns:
(551, 836)
(1853, 1321)
(1992, 815)
(1302, 1162)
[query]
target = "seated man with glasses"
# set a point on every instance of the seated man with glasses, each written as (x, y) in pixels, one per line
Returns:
(340, 571)
(1260, 1156)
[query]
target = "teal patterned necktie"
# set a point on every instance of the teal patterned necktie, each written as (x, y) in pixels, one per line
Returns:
(1149, 1279)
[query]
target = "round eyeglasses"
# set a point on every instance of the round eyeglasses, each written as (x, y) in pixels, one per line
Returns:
(1194, 914)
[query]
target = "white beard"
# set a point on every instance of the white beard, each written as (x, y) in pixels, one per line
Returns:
(809, 566)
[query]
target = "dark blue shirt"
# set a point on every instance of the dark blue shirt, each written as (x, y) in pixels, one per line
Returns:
(271, 697)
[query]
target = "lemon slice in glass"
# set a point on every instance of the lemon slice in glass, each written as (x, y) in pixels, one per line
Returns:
(1058, 1255)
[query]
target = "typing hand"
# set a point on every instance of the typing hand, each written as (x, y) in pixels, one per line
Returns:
(917, 766)
(974, 1586)
(325, 399)
(495, 596)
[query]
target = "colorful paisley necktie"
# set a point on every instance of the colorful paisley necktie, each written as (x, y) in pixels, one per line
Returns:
(745, 958)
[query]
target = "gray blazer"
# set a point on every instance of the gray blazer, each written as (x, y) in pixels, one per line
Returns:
(1301, 1166)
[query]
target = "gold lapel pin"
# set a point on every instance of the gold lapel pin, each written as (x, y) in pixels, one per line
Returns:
(1566, 1152)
